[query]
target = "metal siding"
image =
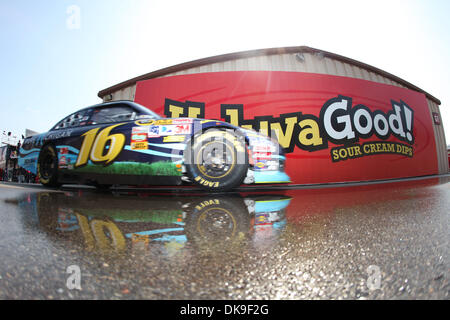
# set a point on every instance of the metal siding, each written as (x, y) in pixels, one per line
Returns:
(312, 63)
(340, 68)
(366, 75)
(331, 67)
(348, 70)
(439, 136)
(320, 65)
(309, 65)
(124, 94)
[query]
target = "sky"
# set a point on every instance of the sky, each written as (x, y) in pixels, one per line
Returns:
(56, 55)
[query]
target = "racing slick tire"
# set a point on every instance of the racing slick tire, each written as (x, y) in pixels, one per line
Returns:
(218, 222)
(47, 167)
(217, 160)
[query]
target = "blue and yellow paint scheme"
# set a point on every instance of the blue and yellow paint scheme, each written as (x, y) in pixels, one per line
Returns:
(127, 221)
(140, 148)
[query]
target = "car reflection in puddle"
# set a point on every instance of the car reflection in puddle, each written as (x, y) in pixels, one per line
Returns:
(130, 222)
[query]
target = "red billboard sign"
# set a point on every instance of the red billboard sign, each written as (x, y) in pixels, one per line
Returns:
(332, 128)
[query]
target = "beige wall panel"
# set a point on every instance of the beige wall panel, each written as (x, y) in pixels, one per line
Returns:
(309, 64)
(227, 65)
(348, 71)
(365, 74)
(289, 62)
(320, 65)
(330, 67)
(340, 68)
(439, 135)
(357, 71)
(276, 63)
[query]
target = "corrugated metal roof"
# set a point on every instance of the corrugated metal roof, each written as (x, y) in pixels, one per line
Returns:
(372, 72)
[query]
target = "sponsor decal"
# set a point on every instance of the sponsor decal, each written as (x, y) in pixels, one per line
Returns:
(100, 146)
(262, 219)
(270, 165)
(260, 164)
(139, 130)
(62, 162)
(144, 122)
(182, 121)
(262, 155)
(139, 145)
(155, 131)
(263, 147)
(58, 134)
(174, 139)
(205, 182)
(140, 239)
(139, 138)
(175, 129)
(64, 159)
(163, 122)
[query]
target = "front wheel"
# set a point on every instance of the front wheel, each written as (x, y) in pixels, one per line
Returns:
(48, 166)
(217, 160)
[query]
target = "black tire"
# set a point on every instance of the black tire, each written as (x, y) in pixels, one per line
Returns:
(217, 221)
(217, 160)
(48, 166)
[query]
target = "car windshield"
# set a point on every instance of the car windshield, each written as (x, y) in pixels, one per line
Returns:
(112, 114)
(145, 113)
(106, 114)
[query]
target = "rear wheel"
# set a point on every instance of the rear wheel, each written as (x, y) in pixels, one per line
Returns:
(217, 222)
(48, 166)
(217, 160)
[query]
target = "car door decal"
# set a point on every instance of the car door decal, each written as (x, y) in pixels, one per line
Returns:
(94, 145)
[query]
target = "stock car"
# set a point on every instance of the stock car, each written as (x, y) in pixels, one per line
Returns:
(105, 222)
(122, 142)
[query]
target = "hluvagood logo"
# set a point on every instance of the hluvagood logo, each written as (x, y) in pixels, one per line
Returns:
(339, 122)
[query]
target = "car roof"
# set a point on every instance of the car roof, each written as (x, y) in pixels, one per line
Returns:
(118, 102)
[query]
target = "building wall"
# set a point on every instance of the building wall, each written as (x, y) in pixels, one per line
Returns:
(302, 62)
(439, 136)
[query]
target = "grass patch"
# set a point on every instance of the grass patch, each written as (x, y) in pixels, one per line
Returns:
(157, 216)
(161, 168)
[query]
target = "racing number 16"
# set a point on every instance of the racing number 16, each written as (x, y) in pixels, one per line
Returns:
(94, 146)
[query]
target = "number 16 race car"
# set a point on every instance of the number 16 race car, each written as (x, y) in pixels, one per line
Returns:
(123, 142)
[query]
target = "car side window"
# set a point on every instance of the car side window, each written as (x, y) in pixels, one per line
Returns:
(112, 114)
(77, 119)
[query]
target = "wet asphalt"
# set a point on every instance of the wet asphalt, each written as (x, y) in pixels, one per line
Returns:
(373, 241)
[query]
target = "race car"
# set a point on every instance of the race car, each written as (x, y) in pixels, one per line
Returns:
(122, 142)
(124, 221)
